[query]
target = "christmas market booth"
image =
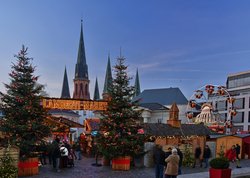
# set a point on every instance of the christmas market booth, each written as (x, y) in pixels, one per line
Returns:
(61, 127)
(91, 126)
(225, 142)
(173, 133)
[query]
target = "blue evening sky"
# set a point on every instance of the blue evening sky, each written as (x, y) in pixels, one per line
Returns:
(177, 43)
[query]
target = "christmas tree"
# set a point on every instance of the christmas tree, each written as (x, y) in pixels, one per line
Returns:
(120, 133)
(7, 167)
(24, 116)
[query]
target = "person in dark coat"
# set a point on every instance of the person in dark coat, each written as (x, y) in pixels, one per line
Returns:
(180, 161)
(56, 154)
(42, 153)
(206, 155)
(197, 156)
(159, 160)
(167, 153)
(78, 150)
(237, 148)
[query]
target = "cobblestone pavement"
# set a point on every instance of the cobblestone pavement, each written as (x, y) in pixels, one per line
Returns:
(84, 169)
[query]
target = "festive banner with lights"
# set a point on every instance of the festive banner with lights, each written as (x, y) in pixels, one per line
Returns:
(73, 104)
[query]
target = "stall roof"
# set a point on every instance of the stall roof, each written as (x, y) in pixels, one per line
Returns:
(63, 112)
(66, 122)
(92, 124)
(160, 129)
(234, 135)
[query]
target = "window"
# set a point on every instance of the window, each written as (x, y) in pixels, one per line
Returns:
(239, 118)
(238, 81)
(81, 89)
(239, 103)
(76, 89)
(249, 116)
(222, 117)
(86, 89)
(221, 105)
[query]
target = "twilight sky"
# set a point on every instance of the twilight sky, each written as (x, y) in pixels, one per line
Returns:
(177, 43)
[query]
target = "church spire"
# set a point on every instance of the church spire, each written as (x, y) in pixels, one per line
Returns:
(96, 94)
(81, 68)
(108, 78)
(81, 80)
(65, 88)
(137, 84)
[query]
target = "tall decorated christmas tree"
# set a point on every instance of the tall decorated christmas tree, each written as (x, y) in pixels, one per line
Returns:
(120, 134)
(24, 116)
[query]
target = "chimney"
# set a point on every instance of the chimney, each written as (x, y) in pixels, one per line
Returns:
(174, 116)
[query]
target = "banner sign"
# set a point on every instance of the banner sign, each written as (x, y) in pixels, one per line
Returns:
(74, 104)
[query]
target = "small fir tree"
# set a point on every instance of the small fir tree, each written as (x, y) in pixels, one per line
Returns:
(7, 167)
(120, 133)
(188, 159)
(24, 115)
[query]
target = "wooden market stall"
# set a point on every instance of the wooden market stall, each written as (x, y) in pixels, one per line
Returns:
(91, 126)
(61, 126)
(173, 133)
(225, 142)
(245, 151)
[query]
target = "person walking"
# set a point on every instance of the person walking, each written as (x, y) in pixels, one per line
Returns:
(206, 155)
(197, 156)
(56, 154)
(172, 164)
(237, 148)
(64, 155)
(71, 158)
(231, 156)
(78, 150)
(159, 160)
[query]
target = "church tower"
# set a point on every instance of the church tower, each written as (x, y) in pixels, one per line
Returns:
(81, 80)
(65, 88)
(137, 84)
(108, 80)
(96, 93)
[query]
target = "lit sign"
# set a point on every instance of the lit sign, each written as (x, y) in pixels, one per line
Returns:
(72, 104)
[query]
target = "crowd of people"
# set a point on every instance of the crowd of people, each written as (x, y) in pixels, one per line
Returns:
(168, 162)
(233, 155)
(199, 158)
(60, 154)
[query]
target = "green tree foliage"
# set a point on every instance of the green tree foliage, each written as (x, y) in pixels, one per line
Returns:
(188, 158)
(7, 169)
(24, 116)
(120, 133)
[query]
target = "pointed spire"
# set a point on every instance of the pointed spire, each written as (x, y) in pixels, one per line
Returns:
(96, 94)
(137, 84)
(65, 88)
(81, 80)
(108, 77)
(81, 68)
(174, 116)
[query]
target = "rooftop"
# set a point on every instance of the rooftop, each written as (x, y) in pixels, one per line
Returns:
(163, 96)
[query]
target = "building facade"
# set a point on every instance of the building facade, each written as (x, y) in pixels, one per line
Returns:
(238, 87)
